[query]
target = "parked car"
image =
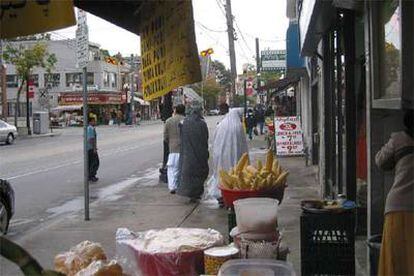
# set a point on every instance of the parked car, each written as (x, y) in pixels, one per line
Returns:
(8, 133)
(6, 205)
(213, 112)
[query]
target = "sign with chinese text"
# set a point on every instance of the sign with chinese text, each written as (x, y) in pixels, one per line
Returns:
(273, 60)
(289, 140)
(27, 17)
(168, 49)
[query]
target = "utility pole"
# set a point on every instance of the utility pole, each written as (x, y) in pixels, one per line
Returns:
(3, 84)
(230, 33)
(258, 70)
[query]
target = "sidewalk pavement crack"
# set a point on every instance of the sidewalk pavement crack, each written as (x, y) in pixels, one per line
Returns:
(189, 214)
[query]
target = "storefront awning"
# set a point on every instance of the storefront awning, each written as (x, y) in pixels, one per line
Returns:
(141, 101)
(61, 108)
(280, 85)
(190, 93)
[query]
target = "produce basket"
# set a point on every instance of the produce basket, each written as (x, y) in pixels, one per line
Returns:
(229, 196)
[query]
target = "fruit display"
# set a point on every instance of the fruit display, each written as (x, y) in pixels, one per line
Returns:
(244, 176)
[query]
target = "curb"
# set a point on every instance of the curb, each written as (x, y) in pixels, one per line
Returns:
(34, 136)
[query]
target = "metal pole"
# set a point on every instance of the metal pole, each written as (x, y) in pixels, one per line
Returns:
(29, 132)
(131, 91)
(3, 84)
(85, 144)
(245, 98)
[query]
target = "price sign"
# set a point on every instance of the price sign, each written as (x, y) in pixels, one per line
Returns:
(289, 140)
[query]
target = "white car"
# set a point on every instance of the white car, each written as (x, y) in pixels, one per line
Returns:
(214, 112)
(8, 133)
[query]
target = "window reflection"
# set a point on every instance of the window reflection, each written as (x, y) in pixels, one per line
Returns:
(390, 48)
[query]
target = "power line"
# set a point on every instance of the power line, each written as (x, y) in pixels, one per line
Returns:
(211, 30)
(220, 5)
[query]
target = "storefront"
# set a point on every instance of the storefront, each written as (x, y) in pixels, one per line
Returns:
(359, 60)
(102, 104)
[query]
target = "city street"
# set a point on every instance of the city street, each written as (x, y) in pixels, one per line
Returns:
(47, 173)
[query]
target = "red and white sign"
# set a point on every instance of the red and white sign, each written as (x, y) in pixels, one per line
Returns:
(93, 98)
(289, 140)
(249, 87)
(31, 89)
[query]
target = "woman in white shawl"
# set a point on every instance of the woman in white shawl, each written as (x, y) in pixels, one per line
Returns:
(229, 144)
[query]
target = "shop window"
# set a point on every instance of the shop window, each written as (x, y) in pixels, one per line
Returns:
(12, 81)
(106, 78)
(114, 80)
(52, 79)
(73, 79)
(11, 106)
(390, 50)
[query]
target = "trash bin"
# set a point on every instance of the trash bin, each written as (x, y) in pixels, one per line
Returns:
(374, 244)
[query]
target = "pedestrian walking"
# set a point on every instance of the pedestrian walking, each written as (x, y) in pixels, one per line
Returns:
(119, 116)
(172, 137)
(397, 248)
(193, 154)
(229, 144)
(92, 150)
(138, 116)
(113, 117)
(260, 118)
(250, 123)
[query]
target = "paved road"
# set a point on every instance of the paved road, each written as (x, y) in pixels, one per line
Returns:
(47, 173)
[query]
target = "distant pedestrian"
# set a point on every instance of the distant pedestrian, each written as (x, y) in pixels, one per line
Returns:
(92, 150)
(397, 248)
(138, 116)
(250, 123)
(113, 117)
(119, 116)
(172, 137)
(260, 118)
(193, 154)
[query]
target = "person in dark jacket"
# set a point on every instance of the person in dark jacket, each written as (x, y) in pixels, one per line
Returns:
(193, 155)
(260, 118)
(250, 123)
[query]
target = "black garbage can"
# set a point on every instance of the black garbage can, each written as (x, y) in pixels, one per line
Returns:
(374, 244)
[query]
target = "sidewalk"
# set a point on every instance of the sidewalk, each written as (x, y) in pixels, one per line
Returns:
(148, 205)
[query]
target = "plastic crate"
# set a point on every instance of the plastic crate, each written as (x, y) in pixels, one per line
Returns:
(328, 243)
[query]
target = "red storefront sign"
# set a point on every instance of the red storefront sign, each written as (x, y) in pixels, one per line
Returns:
(93, 98)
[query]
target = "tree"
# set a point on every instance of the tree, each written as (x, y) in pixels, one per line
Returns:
(223, 75)
(25, 59)
(211, 91)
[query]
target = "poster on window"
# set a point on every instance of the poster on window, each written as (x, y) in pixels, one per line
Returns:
(289, 140)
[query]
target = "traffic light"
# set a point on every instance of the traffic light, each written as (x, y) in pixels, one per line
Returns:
(207, 52)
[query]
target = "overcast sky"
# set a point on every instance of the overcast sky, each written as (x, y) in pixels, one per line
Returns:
(265, 19)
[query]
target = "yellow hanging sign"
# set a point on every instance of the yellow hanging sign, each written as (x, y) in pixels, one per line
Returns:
(27, 17)
(168, 49)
